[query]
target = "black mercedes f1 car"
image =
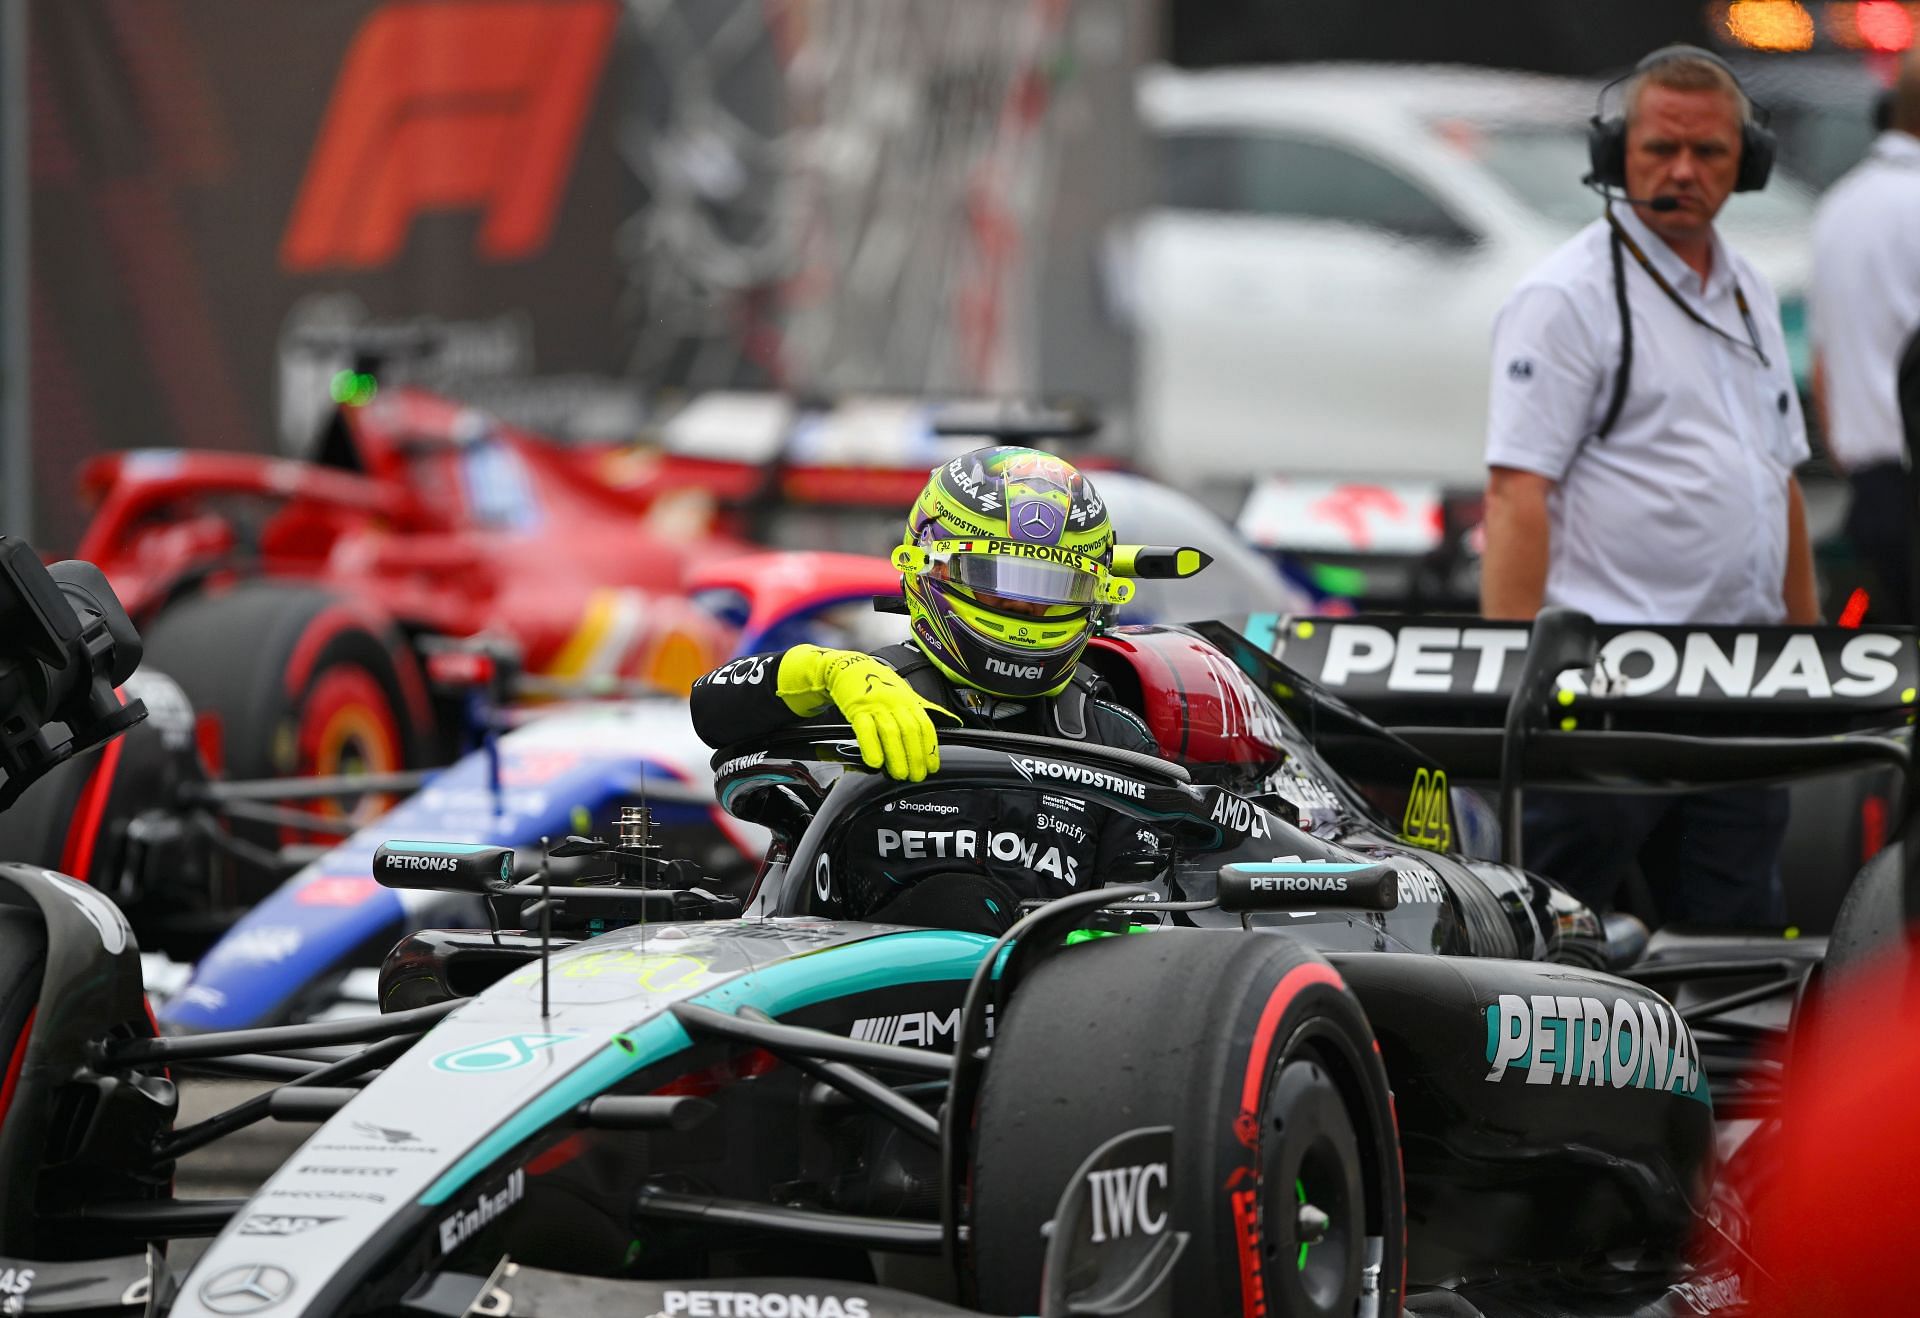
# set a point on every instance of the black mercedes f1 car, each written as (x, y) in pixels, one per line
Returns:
(1290, 1055)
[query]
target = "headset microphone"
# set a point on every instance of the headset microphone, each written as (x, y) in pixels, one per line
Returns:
(1657, 204)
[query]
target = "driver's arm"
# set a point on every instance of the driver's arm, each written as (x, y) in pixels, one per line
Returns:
(1119, 727)
(736, 702)
(757, 696)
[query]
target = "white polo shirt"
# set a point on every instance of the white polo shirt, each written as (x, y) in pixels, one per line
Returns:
(1680, 513)
(1866, 297)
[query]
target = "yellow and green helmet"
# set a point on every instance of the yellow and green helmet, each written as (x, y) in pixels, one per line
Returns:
(1007, 569)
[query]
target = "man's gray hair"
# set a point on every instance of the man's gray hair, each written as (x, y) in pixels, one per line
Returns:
(1687, 73)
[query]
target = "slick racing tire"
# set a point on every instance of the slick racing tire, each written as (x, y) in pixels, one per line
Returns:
(47, 825)
(75, 819)
(1254, 1052)
(1870, 930)
(297, 681)
(1835, 825)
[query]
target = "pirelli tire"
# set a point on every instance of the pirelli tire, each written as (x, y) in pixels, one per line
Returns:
(50, 820)
(1870, 929)
(1286, 1165)
(76, 818)
(1836, 824)
(295, 680)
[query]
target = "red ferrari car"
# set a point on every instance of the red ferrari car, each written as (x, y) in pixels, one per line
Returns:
(296, 601)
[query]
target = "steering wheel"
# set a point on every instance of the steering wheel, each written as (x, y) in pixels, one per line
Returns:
(809, 810)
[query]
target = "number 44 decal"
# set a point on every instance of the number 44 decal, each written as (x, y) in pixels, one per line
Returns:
(1429, 818)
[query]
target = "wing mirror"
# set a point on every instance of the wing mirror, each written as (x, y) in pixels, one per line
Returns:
(476, 868)
(1300, 885)
(1155, 562)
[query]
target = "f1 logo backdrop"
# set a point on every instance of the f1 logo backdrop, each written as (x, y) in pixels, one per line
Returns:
(211, 179)
(450, 106)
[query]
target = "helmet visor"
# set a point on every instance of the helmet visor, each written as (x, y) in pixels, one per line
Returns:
(1058, 578)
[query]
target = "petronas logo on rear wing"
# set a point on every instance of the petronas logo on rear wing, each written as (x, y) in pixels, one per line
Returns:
(1410, 659)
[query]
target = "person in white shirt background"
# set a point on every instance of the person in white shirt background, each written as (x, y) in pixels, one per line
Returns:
(1643, 432)
(1866, 310)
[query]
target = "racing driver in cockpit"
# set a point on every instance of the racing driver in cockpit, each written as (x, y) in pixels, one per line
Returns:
(1007, 567)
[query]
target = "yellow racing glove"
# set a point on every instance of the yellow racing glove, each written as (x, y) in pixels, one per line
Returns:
(889, 718)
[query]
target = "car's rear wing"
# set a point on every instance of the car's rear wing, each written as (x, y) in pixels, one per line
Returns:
(1573, 704)
(1464, 670)
(1732, 681)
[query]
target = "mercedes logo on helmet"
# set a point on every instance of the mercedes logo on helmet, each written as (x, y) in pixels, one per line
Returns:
(1037, 522)
(249, 1288)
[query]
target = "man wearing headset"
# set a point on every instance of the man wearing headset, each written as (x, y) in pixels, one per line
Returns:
(1008, 571)
(1643, 432)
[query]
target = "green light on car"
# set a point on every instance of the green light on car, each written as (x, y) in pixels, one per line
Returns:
(1346, 582)
(352, 388)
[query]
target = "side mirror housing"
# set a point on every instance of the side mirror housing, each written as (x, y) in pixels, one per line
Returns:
(477, 868)
(1321, 885)
(1156, 562)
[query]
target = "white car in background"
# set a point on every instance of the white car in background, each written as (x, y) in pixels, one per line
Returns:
(1315, 281)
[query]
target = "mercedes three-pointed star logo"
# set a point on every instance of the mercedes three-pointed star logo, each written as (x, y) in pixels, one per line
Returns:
(1034, 520)
(248, 1288)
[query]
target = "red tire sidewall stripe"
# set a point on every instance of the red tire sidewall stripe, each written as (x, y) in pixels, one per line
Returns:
(350, 692)
(343, 691)
(413, 694)
(320, 632)
(76, 857)
(1253, 1084)
(326, 625)
(14, 1064)
(1242, 1198)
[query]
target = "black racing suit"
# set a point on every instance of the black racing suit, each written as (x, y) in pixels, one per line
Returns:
(1036, 843)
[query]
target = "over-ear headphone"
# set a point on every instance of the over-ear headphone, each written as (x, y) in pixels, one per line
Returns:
(1607, 136)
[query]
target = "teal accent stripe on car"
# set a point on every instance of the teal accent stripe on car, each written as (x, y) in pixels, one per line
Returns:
(923, 956)
(447, 848)
(917, 957)
(1292, 866)
(1260, 629)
